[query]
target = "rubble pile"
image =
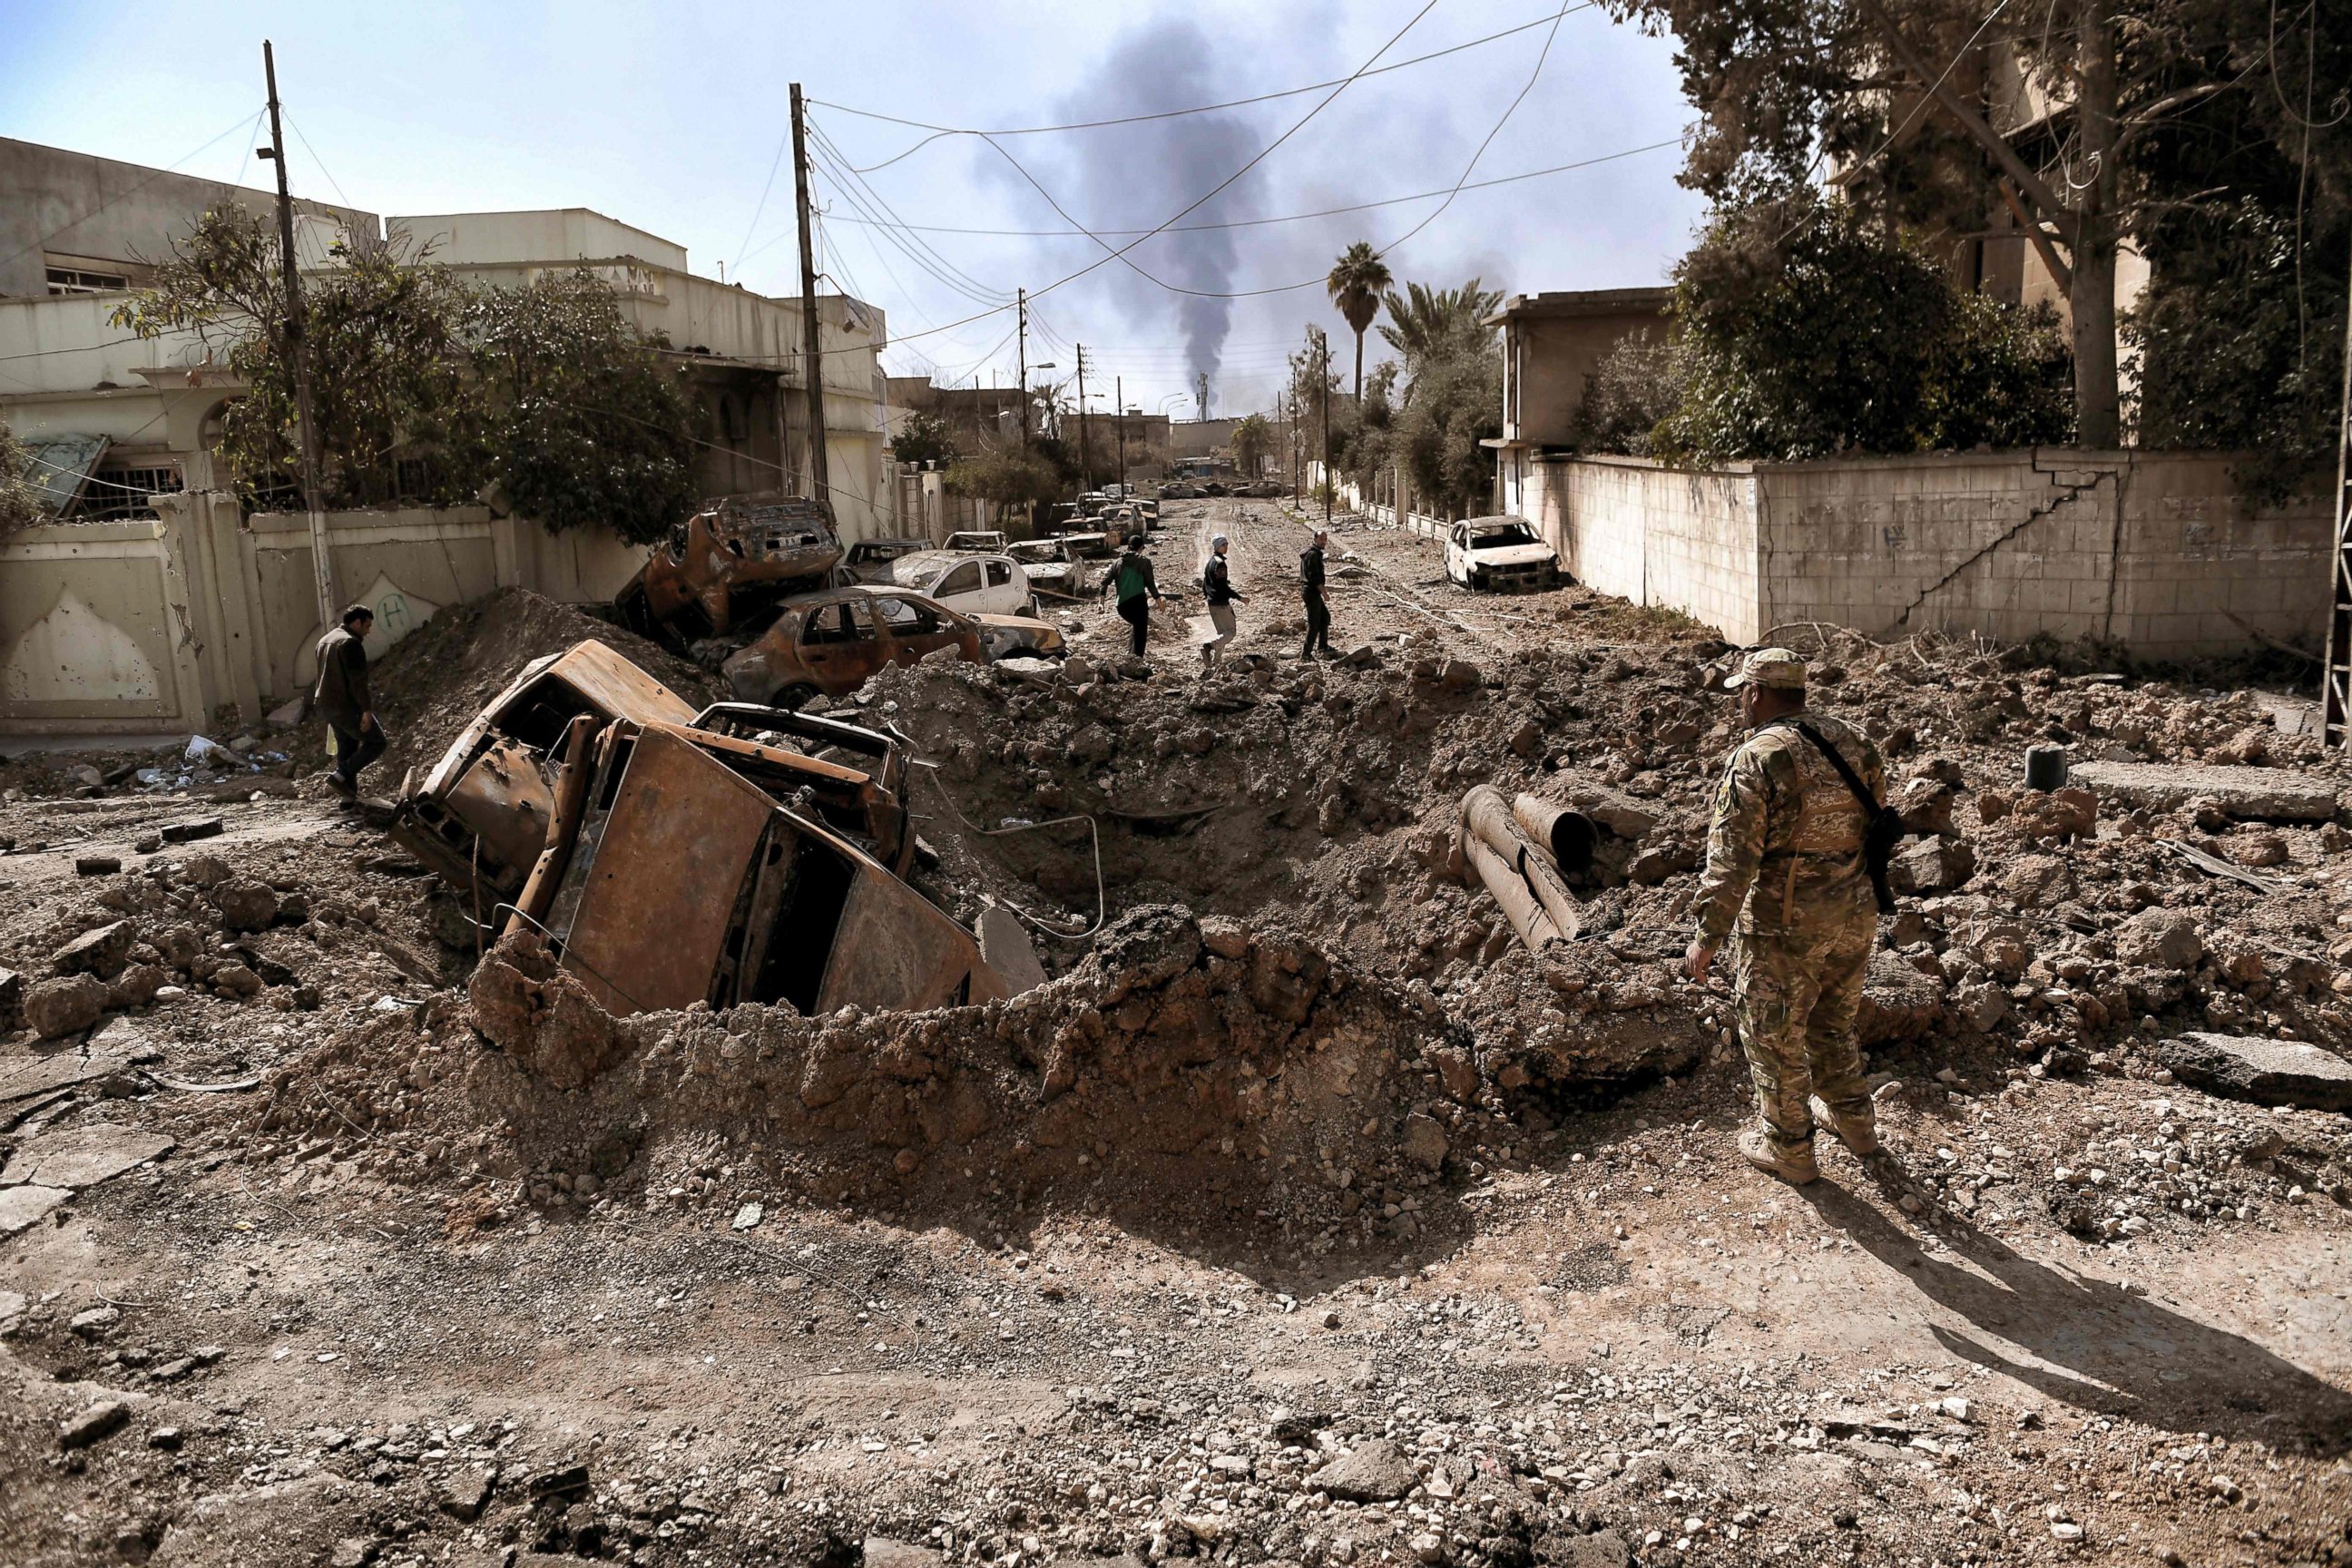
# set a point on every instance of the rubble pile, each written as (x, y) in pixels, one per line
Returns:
(1194, 1060)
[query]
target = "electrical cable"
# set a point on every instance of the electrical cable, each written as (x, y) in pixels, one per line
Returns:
(337, 184)
(939, 131)
(832, 153)
(123, 195)
(1472, 166)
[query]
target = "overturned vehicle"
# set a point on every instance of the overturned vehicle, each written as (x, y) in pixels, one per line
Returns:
(737, 854)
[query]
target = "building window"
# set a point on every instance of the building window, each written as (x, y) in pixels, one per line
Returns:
(113, 494)
(81, 280)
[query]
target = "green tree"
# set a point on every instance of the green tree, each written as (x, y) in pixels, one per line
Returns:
(925, 438)
(1006, 475)
(578, 419)
(1636, 385)
(1892, 98)
(1356, 283)
(1253, 440)
(1801, 333)
(20, 505)
(387, 370)
(1454, 402)
(1427, 323)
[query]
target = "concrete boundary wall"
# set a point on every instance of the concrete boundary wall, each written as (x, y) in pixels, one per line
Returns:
(2155, 552)
(152, 625)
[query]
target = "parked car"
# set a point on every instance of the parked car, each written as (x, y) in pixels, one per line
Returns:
(1179, 493)
(832, 643)
(482, 816)
(868, 560)
(985, 542)
(1499, 552)
(672, 877)
(1052, 567)
(725, 564)
(975, 584)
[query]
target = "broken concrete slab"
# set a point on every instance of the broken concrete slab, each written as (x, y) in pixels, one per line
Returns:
(66, 1006)
(2268, 1073)
(101, 952)
(23, 1077)
(1006, 947)
(21, 1207)
(1377, 1471)
(2249, 795)
(83, 1156)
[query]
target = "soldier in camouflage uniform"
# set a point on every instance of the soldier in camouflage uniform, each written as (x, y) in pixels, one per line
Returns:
(1786, 878)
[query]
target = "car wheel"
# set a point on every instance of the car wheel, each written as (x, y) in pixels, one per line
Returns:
(794, 698)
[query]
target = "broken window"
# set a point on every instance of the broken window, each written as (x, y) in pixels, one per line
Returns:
(907, 618)
(81, 280)
(835, 623)
(999, 572)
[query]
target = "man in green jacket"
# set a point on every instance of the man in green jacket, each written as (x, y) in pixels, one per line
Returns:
(354, 738)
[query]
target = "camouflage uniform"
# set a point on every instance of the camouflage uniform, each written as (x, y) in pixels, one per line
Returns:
(1785, 874)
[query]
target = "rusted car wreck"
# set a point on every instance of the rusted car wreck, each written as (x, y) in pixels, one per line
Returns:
(668, 857)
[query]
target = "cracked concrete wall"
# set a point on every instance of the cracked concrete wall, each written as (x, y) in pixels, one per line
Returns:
(2156, 552)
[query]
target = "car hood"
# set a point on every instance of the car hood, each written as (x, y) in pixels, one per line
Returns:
(1510, 555)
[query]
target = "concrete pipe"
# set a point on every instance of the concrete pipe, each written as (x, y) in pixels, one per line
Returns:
(1519, 906)
(1486, 818)
(1566, 833)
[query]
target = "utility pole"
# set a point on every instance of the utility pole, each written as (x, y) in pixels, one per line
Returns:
(1294, 500)
(812, 356)
(1022, 295)
(1204, 394)
(1324, 338)
(2336, 674)
(1118, 413)
(1085, 458)
(322, 566)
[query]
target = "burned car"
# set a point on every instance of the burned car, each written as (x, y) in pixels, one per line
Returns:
(1499, 552)
(1052, 567)
(873, 560)
(720, 568)
(832, 643)
(671, 876)
(484, 813)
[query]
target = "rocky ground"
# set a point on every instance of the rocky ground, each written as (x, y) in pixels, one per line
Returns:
(1302, 1217)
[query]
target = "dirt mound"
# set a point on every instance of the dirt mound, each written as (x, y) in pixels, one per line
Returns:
(1190, 1069)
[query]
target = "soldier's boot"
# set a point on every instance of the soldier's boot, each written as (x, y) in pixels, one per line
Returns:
(1858, 1132)
(1756, 1148)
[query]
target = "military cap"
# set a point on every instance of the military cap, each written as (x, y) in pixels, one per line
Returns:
(1768, 667)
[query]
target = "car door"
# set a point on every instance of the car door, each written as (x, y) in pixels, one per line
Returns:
(1007, 593)
(914, 626)
(839, 649)
(959, 587)
(1456, 560)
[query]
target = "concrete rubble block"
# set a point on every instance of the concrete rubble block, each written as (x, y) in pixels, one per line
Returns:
(137, 986)
(2159, 939)
(1932, 866)
(1424, 1140)
(463, 1493)
(1377, 1471)
(881, 1553)
(101, 1421)
(101, 950)
(2068, 813)
(2265, 1072)
(1898, 1002)
(245, 905)
(1925, 804)
(1006, 947)
(2249, 795)
(189, 832)
(56, 1008)
(83, 1156)
(1225, 936)
(22, 1206)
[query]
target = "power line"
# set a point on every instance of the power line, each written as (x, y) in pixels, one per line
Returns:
(1295, 217)
(939, 131)
(153, 175)
(321, 163)
(1467, 170)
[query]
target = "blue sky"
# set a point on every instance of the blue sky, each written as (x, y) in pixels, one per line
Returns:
(670, 119)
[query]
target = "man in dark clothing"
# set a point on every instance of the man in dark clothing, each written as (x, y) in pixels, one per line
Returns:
(1310, 586)
(1134, 583)
(354, 739)
(1217, 588)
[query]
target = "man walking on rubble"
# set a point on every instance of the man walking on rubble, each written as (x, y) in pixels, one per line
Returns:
(1786, 872)
(354, 738)
(1310, 587)
(1135, 584)
(1217, 588)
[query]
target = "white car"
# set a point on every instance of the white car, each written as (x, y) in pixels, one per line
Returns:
(973, 585)
(1499, 552)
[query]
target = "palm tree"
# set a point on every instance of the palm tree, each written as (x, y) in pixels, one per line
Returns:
(1425, 322)
(1356, 281)
(1253, 439)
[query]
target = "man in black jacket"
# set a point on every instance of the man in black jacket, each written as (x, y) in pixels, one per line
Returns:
(1310, 587)
(342, 698)
(1217, 588)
